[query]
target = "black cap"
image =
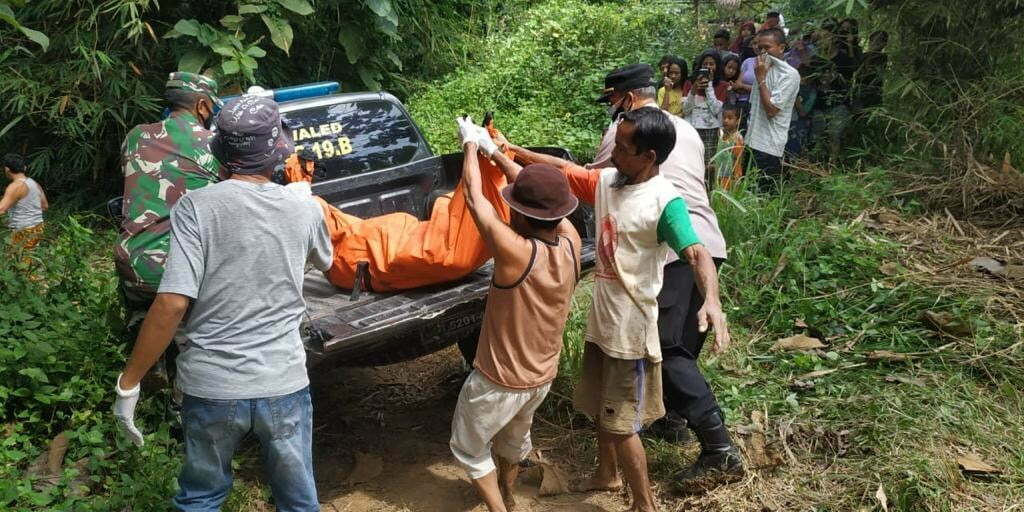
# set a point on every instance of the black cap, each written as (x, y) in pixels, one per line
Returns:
(627, 78)
(251, 138)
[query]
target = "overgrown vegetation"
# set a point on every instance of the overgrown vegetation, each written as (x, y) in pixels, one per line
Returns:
(59, 354)
(541, 78)
(822, 429)
(805, 256)
(67, 105)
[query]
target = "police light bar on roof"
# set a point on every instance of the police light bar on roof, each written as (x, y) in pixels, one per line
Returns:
(295, 92)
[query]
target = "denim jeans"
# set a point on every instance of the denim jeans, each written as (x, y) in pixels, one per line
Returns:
(213, 430)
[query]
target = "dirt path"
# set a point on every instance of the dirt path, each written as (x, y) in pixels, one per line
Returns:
(395, 420)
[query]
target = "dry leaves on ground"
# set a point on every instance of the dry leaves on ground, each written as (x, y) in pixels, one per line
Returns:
(553, 479)
(816, 374)
(759, 453)
(946, 323)
(889, 268)
(888, 355)
(883, 500)
(903, 379)
(48, 468)
(996, 268)
(972, 464)
(940, 252)
(798, 342)
(779, 267)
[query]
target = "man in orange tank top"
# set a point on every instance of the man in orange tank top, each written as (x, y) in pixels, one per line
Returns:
(536, 267)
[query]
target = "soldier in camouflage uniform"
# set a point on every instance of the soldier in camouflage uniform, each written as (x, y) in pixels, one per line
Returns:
(162, 162)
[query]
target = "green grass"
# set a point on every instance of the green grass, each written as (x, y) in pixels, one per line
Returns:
(853, 429)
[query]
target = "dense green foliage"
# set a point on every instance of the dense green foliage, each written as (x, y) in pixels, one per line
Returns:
(60, 351)
(542, 77)
(68, 107)
(539, 68)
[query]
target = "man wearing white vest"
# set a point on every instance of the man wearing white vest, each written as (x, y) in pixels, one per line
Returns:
(640, 219)
(689, 400)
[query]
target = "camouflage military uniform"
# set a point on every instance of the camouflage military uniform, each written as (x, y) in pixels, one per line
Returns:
(161, 162)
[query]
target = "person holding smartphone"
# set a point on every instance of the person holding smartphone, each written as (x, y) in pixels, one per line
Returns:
(702, 107)
(771, 107)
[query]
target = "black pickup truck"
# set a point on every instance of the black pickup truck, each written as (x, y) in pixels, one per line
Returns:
(373, 160)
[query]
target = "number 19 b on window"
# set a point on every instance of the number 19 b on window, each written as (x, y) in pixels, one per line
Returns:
(330, 148)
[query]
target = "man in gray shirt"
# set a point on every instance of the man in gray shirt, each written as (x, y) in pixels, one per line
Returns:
(236, 262)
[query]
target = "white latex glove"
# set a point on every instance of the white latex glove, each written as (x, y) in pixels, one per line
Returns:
(467, 130)
(124, 412)
(484, 142)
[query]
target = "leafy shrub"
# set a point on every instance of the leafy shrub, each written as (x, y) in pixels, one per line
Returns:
(59, 356)
(541, 77)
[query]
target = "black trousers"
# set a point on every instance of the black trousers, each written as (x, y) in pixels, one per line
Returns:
(685, 391)
(771, 171)
(136, 305)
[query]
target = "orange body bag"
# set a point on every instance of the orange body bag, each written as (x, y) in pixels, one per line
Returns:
(401, 251)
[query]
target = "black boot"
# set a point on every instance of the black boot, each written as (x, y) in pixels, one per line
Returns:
(670, 428)
(719, 461)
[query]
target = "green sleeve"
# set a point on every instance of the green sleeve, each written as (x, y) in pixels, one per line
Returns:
(674, 227)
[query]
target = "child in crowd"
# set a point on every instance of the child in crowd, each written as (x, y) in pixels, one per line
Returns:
(670, 94)
(800, 126)
(702, 106)
(730, 74)
(728, 161)
(663, 65)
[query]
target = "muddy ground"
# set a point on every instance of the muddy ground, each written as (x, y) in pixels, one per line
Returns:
(396, 421)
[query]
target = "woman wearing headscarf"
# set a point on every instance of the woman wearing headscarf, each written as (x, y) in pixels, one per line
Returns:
(743, 44)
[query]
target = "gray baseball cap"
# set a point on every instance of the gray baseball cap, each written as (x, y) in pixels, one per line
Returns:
(251, 138)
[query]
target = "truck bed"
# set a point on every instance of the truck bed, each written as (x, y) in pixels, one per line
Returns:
(359, 326)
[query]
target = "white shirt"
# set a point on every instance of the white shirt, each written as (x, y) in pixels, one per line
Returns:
(703, 112)
(623, 318)
(684, 168)
(769, 134)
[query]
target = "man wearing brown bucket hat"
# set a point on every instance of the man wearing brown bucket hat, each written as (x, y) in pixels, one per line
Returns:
(640, 218)
(536, 267)
(238, 251)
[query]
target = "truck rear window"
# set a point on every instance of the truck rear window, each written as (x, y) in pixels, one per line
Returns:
(355, 137)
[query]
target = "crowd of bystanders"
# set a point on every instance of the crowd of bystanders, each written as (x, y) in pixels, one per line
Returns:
(773, 93)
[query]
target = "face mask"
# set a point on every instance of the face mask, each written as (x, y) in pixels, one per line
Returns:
(616, 110)
(208, 121)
